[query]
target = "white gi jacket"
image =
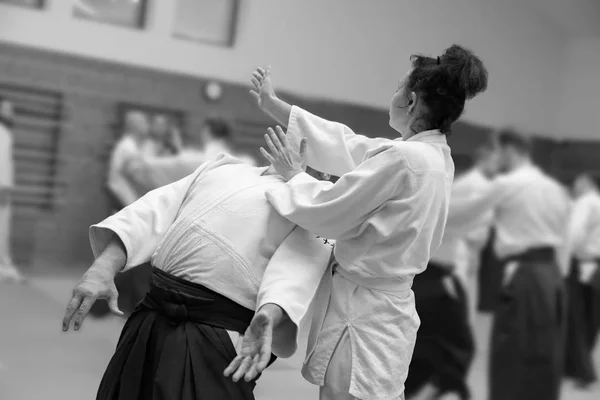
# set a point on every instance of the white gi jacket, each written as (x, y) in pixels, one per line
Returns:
(216, 228)
(583, 234)
(530, 210)
(460, 249)
(387, 214)
(119, 183)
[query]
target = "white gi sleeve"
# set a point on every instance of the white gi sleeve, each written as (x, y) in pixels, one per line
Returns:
(468, 210)
(142, 225)
(576, 232)
(331, 210)
(332, 148)
(118, 182)
(291, 280)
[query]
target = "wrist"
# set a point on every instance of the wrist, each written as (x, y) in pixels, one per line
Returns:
(290, 175)
(268, 103)
(273, 311)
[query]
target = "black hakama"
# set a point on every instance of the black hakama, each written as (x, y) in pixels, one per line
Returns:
(489, 277)
(583, 325)
(175, 346)
(445, 345)
(526, 356)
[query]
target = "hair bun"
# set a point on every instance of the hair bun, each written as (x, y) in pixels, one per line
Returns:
(466, 70)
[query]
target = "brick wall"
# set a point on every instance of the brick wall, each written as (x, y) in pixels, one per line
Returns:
(92, 91)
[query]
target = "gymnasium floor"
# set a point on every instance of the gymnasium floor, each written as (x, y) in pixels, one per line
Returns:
(39, 361)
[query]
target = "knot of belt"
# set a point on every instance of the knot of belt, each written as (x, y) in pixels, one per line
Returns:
(177, 313)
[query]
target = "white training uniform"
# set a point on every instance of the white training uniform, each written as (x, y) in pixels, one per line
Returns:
(216, 228)
(151, 172)
(125, 151)
(387, 214)
(583, 235)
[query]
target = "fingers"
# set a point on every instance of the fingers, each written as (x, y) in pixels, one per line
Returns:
(273, 149)
(255, 95)
(261, 71)
(113, 305)
(258, 77)
(276, 140)
(303, 144)
(242, 369)
(256, 83)
(263, 358)
(253, 371)
(281, 135)
(266, 155)
(83, 310)
(71, 308)
(234, 365)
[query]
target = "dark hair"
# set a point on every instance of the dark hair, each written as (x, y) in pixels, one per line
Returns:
(219, 128)
(510, 138)
(445, 83)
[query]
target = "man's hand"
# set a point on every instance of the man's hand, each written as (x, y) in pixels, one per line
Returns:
(96, 283)
(255, 353)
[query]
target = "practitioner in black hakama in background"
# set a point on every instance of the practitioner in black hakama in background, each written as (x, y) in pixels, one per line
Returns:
(582, 258)
(445, 344)
(489, 277)
(531, 210)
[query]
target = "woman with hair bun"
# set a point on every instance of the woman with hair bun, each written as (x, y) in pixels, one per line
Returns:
(386, 214)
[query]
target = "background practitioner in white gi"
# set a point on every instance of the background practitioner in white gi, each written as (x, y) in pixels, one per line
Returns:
(530, 214)
(582, 259)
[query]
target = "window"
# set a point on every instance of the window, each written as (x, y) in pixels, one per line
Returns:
(24, 3)
(127, 13)
(206, 21)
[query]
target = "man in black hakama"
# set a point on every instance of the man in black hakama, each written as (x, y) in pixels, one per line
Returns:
(445, 346)
(531, 211)
(583, 324)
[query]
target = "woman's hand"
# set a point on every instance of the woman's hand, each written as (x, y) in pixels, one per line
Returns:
(264, 93)
(287, 161)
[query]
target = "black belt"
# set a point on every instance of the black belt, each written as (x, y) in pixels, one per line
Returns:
(544, 254)
(182, 301)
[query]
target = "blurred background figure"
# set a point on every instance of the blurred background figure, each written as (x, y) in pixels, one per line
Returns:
(129, 147)
(217, 137)
(8, 270)
(530, 210)
(150, 171)
(581, 260)
(165, 138)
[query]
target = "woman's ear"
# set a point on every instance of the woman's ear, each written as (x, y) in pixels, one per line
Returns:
(412, 102)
